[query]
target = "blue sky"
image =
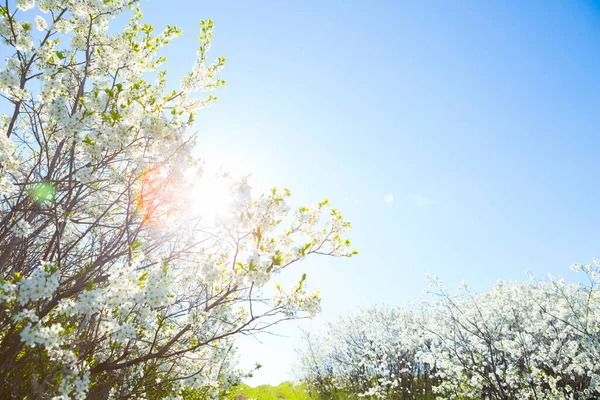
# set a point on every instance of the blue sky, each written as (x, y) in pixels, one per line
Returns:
(479, 118)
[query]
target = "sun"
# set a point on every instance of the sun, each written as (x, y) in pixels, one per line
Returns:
(207, 192)
(210, 196)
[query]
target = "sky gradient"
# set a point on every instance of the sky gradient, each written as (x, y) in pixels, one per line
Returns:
(460, 138)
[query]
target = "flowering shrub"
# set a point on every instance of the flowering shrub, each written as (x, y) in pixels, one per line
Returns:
(373, 353)
(112, 284)
(534, 340)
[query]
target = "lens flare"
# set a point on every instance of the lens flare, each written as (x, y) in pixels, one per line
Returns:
(157, 194)
(43, 192)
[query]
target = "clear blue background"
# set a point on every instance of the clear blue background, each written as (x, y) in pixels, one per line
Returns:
(480, 118)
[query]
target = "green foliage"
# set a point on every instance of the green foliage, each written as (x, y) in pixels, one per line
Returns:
(289, 391)
(286, 390)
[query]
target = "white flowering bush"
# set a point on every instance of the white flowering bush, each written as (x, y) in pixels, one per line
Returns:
(113, 284)
(374, 353)
(533, 340)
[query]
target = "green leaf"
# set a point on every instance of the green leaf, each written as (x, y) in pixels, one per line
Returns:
(257, 235)
(277, 260)
(114, 114)
(135, 245)
(88, 141)
(306, 247)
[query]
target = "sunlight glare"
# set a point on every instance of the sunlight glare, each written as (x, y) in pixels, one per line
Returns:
(211, 195)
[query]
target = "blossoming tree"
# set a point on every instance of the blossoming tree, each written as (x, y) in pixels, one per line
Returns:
(112, 283)
(538, 340)
(374, 353)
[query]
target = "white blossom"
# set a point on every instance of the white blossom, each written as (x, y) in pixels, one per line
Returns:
(108, 265)
(40, 23)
